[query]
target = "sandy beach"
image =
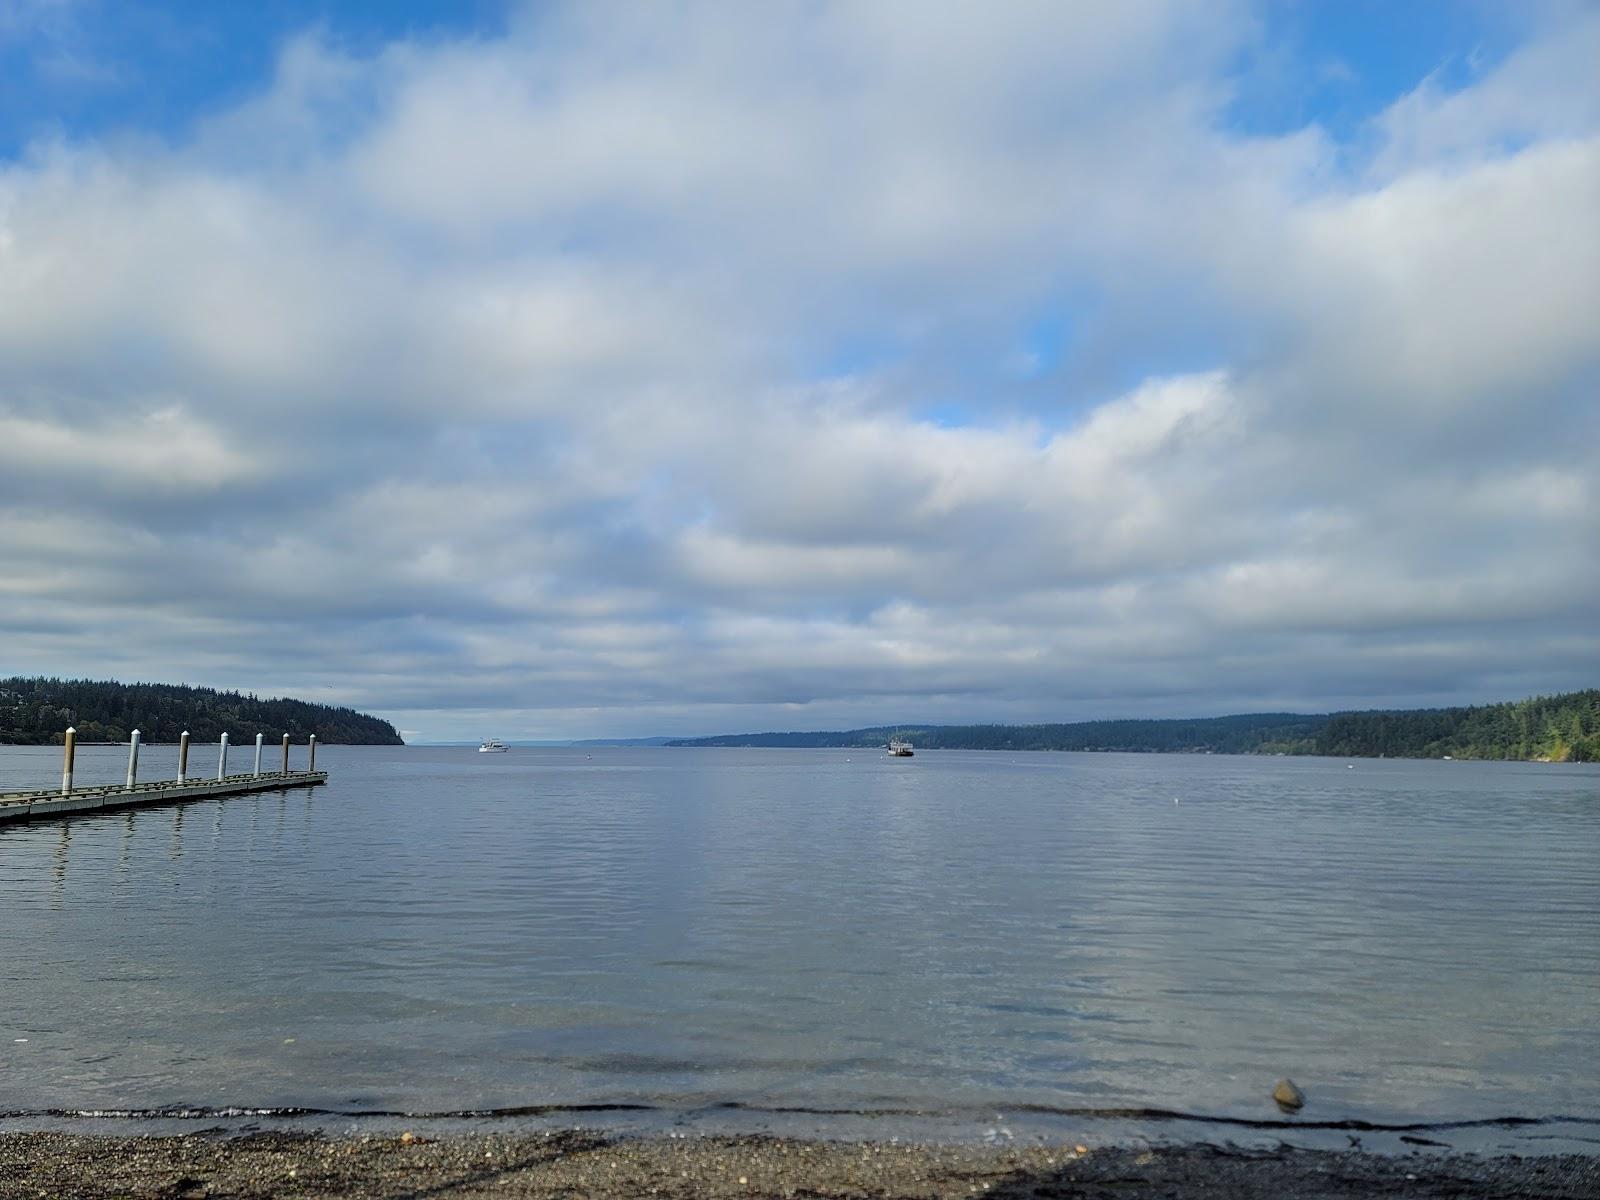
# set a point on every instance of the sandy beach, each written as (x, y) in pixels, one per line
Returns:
(578, 1164)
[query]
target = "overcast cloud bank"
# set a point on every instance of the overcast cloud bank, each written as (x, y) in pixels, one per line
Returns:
(637, 371)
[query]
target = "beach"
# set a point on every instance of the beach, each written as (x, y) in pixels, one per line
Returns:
(575, 1164)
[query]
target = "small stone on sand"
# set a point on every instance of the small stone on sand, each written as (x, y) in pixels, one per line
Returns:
(1288, 1096)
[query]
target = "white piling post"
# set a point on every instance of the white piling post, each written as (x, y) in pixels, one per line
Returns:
(68, 750)
(311, 761)
(183, 755)
(133, 758)
(222, 758)
(258, 756)
(286, 754)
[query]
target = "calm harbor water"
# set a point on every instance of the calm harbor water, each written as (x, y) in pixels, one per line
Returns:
(956, 933)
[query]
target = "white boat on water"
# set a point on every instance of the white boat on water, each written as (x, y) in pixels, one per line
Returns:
(899, 748)
(492, 746)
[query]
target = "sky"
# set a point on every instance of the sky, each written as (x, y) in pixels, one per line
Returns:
(548, 370)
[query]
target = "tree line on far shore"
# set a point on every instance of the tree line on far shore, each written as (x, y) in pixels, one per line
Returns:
(1545, 728)
(1562, 728)
(37, 711)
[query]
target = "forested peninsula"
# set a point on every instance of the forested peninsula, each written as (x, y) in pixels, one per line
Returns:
(36, 712)
(1545, 728)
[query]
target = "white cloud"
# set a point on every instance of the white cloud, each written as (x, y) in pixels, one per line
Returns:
(1449, 288)
(162, 449)
(1543, 92)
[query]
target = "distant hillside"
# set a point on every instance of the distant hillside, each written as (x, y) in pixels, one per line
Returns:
(36, 712)
(1554, 728)
(645, 741)
(1221, 735)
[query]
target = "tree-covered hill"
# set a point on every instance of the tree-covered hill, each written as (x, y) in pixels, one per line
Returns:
(1554, 728)
(37, 712)
(1221, 735)
(1548, 728)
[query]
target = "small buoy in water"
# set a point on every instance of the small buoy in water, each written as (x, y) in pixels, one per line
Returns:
(1349, 766)
(1289, 1097)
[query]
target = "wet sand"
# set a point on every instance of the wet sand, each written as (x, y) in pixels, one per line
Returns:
(575, 1164)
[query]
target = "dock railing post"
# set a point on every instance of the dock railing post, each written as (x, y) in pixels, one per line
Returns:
(222, 758)
(183, 755)
(286, 754)
(68, 749)
(258, 756)
(133, 758)
(311, 761)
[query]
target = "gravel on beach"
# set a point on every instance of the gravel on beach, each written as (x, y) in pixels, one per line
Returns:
(575, 1164)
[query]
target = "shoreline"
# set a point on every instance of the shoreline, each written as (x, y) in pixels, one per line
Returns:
(1494, 1136)
(579, 1163)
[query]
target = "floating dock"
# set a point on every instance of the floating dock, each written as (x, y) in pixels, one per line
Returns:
(35, 806)
(44, 803)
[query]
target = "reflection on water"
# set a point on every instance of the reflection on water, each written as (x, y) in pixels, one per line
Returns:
(125, 843)
(826, 929)
(58, 868)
